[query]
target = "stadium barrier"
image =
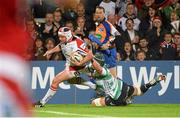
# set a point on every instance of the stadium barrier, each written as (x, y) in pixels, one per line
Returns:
(132, 72)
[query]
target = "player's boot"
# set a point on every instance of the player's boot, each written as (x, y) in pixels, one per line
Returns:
(157, 79)
(38, 104)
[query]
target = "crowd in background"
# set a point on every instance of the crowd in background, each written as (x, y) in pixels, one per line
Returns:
(150, 29)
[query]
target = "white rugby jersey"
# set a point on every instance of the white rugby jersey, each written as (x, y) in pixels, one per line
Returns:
(76, 44)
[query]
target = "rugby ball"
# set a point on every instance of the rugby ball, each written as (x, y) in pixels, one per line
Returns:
(76, 56)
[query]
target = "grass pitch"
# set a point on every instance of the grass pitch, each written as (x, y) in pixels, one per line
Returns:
(133, 110)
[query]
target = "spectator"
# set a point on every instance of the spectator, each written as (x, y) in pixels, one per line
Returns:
(174, 6)
(168, 48)
(147, 23)
(81, 29)
(109, 7)
(70, 25)
(39, 8)
(130, 34)
(31, 29)
(174, 25)
(177, 42)
(46, 29)
(128, 53)
(118, 39)
(39, 50)
(122, 4)
(143, 12)
(70, 11)
(58, 22)
(81, 13)
(178, 52)
(90, 6)
(119, 56)
(130, 13)
(155, 35)
(177, 38)
(151, 54)
(113, 19)
(140, 55)
(50, 44)
(80, 10)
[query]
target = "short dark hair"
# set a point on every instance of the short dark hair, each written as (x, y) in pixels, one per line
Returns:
(69, 21)
(177, 33)
(168, 33)
(144, 38)
(49, 12)
(58, 10)
(140, 51)
(129, 4)
(99, 7)
(49, 39)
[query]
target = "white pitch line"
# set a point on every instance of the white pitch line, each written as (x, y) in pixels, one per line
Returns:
(73, 114)
(88, 115)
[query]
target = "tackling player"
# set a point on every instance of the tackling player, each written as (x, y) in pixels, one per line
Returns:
(68, 45)
(117, 92)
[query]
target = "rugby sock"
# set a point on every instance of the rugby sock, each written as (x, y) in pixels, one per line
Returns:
(50, 93)
(90, 84)
(145, 87)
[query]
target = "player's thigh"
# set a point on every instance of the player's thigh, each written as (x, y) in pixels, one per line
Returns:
(126, 93)
(62, 76)
(109, 101)
(128, 90)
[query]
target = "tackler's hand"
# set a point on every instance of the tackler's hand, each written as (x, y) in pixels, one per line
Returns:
(74, 62)
(105, 46)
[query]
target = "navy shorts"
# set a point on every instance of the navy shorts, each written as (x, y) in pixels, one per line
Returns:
(127, 91)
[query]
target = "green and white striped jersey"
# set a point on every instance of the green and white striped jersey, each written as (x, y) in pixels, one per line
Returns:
(106, 82)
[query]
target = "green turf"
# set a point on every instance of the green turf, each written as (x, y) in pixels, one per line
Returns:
(134, 110)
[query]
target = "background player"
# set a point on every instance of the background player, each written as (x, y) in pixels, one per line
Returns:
(14, 70)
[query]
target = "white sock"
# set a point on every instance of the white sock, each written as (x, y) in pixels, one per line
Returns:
(50, 93)
(90, 84)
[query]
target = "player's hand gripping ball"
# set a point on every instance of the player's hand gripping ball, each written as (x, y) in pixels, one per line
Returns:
(76, 58)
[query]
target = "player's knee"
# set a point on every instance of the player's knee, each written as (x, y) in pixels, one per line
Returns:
(137, 91)
(55, 82)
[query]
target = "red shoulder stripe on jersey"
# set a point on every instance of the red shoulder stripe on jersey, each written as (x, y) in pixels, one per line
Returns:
(81, 45)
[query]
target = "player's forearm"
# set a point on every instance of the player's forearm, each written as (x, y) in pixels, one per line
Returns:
(88, 58)
(97, 66)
